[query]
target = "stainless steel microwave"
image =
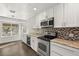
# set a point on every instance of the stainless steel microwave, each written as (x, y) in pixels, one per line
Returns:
(48, 23)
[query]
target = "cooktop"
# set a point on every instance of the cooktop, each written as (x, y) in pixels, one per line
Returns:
(47, 37)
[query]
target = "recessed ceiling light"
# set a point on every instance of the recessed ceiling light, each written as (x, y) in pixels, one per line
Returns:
(34, 9)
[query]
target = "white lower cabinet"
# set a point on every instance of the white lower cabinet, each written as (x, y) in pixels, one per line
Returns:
(53, 53)
(34, 43)
(24, 38)
(62, 50)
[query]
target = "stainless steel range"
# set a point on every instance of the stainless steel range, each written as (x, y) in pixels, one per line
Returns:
(44, 44)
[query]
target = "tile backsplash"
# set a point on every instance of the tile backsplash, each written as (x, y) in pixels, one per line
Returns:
(69, 33)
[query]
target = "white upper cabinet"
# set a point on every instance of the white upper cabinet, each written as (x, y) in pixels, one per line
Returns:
(58, 15)
(50, 12)
(77, 14)
(37, 22)
(66, 15)
(39, 17)
(70, 14)
(42, 15)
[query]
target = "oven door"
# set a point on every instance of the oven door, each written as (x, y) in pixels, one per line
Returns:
(43, 48)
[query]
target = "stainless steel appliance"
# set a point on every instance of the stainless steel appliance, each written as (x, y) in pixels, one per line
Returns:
(28, 40)
(47, 22)
(51, 22)
(44, 23)
(44, 44)
(43, 47)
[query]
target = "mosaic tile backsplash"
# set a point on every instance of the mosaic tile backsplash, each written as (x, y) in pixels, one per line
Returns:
(69, 33)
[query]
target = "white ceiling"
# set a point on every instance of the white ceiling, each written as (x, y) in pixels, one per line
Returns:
(26, 9)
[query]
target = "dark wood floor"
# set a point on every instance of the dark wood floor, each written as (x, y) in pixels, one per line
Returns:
(16, 49)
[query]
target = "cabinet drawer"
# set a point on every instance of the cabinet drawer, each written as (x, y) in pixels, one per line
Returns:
(63, 50)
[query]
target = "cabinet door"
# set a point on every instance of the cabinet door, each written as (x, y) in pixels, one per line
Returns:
(70, 14)
(32, 43)
(34, 22)
(58, 48)
(35, 44)
(24, 38)
(77, 14)
(58, 15)
(50, 12)
(37, 24)
(54, 50)
(42, 15)
(63, 50)
(53, 53)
